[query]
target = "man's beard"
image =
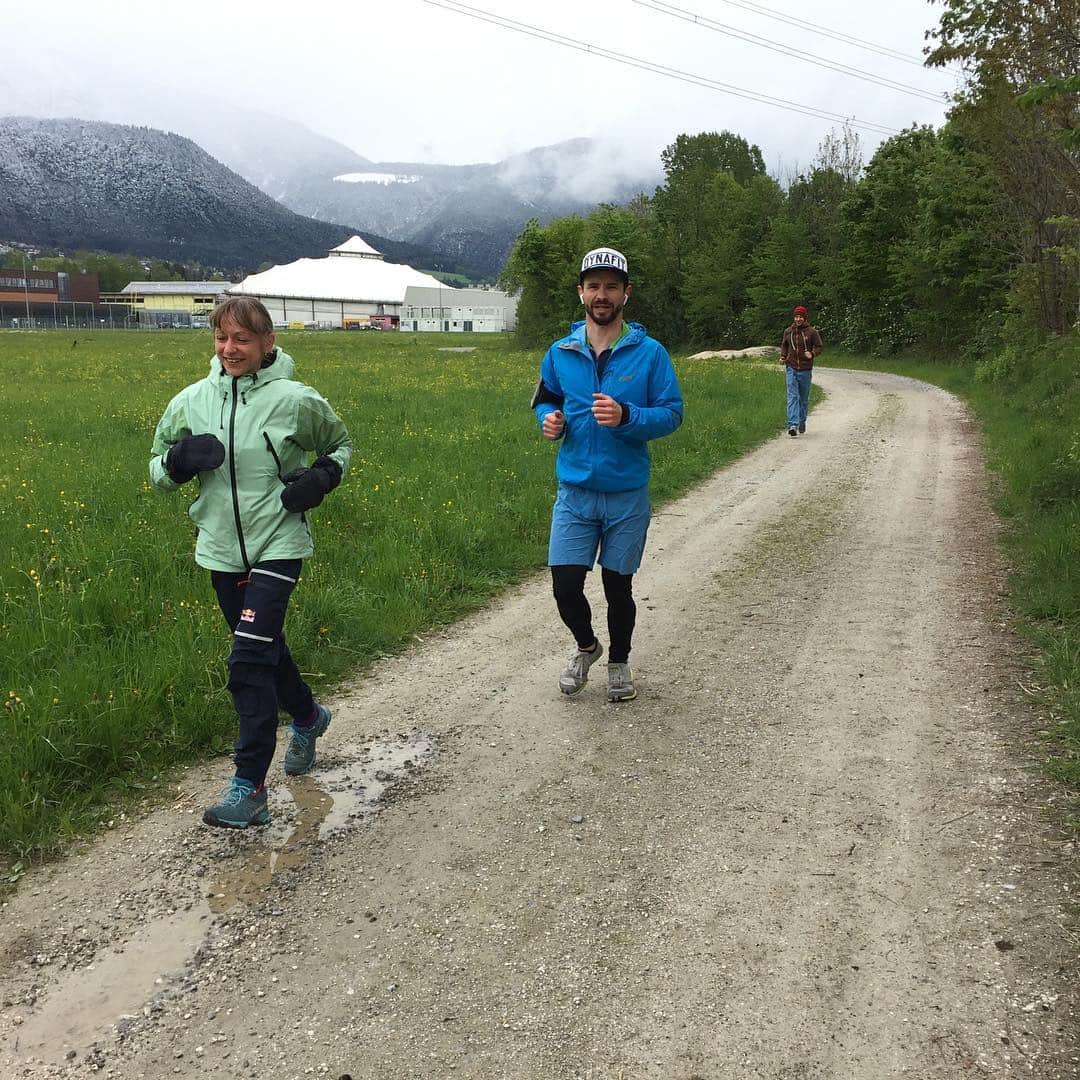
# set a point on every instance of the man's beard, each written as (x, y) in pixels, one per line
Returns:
(608, 316)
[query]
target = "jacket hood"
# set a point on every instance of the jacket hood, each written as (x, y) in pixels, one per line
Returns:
(281, 368)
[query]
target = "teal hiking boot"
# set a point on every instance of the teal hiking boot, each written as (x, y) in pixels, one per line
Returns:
(300, 755)
(241, 805)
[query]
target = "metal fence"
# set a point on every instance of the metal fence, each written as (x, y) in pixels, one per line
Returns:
(82, 315)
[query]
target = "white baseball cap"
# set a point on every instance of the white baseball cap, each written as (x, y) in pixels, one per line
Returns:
(604, 258)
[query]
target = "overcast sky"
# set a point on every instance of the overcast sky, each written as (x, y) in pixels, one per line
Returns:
(403, 80)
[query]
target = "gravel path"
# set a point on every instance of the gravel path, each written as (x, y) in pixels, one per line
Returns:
(817, 846)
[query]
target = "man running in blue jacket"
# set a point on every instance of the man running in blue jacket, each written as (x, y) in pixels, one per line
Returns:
(605, 389)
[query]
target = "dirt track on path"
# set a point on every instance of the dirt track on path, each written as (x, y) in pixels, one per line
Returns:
(816, 846)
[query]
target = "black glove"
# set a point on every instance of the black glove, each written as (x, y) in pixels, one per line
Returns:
(305, 488)
(194, 454)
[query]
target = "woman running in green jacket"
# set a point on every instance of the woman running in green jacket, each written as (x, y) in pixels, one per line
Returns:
(246, 433)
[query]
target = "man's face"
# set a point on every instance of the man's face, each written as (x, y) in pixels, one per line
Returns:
(800, 320)
(240, 350)
(604, 294)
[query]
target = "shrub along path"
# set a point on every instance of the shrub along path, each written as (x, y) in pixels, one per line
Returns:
(815, 846)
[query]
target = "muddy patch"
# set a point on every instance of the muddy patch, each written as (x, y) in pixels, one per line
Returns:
(88, 1003)
(341, 792)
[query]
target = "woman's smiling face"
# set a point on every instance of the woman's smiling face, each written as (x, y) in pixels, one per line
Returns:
(241, 351)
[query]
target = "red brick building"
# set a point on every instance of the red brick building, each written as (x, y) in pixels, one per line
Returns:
(48, 286)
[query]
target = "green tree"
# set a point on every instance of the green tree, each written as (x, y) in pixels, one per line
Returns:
(1037, 177)
(713, 283)
(1022, 97)
(630, 230)
(877, 219)
(685, 204)
(950, 272)
(544, 265)
(1024, 42)
(58, 264)
(777, 280)
(160, 270)
(817, 199)
(711, 152)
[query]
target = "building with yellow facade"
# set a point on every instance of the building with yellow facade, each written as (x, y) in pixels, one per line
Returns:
(169, 303)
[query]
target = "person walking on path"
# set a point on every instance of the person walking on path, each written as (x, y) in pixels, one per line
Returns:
(800, 345)
(245, 432)
(605, 390)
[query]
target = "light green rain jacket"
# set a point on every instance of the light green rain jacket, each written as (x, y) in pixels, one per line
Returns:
(269, 425)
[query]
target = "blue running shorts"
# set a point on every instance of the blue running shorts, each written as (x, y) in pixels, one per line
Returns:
(614, 522)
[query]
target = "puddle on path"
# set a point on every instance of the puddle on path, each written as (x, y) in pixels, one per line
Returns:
(326, 801)
(84, 1004)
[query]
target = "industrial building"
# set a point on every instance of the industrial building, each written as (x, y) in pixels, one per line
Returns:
(458, 310)
(352, 286)
(169, 303)
(39, 298)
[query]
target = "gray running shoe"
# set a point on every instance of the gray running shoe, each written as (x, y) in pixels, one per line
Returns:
(300, 755)
(620, 683)
(241, 805)
(576, 674)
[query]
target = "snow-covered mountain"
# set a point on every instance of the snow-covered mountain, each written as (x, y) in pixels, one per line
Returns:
(469, 214)
(84, 184)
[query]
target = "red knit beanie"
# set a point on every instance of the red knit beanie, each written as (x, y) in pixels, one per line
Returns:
(800, 310)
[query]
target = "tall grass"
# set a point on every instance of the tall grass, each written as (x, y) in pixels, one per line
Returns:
(112, 663)
(1028, 404)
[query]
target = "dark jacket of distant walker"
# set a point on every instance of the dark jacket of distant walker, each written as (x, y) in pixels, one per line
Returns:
(798, 340)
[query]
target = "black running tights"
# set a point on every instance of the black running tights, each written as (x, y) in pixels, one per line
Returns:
(568, 585)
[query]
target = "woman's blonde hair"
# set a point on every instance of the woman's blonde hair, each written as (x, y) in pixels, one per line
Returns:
(245, 311)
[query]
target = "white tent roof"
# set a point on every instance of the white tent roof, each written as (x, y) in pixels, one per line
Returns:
(359, 280)
(355, 245)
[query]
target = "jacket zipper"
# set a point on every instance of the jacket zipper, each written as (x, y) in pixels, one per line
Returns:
(232, 478)
(273, 454)
(586, 355)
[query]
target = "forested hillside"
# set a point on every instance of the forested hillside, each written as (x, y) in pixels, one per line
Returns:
(953, 241)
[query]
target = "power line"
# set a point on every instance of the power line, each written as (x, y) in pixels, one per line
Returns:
(765, 43)
(824, 31)
(658, 69)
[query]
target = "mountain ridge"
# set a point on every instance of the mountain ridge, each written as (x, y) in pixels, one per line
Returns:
(89, 184)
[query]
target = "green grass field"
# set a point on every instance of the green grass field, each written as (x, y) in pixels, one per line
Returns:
(112, 669)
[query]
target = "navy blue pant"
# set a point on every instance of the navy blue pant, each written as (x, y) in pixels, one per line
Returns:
(262, 673)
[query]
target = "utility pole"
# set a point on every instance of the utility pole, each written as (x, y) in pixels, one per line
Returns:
(26, 289)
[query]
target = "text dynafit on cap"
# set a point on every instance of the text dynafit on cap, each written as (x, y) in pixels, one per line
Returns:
(605, 259)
